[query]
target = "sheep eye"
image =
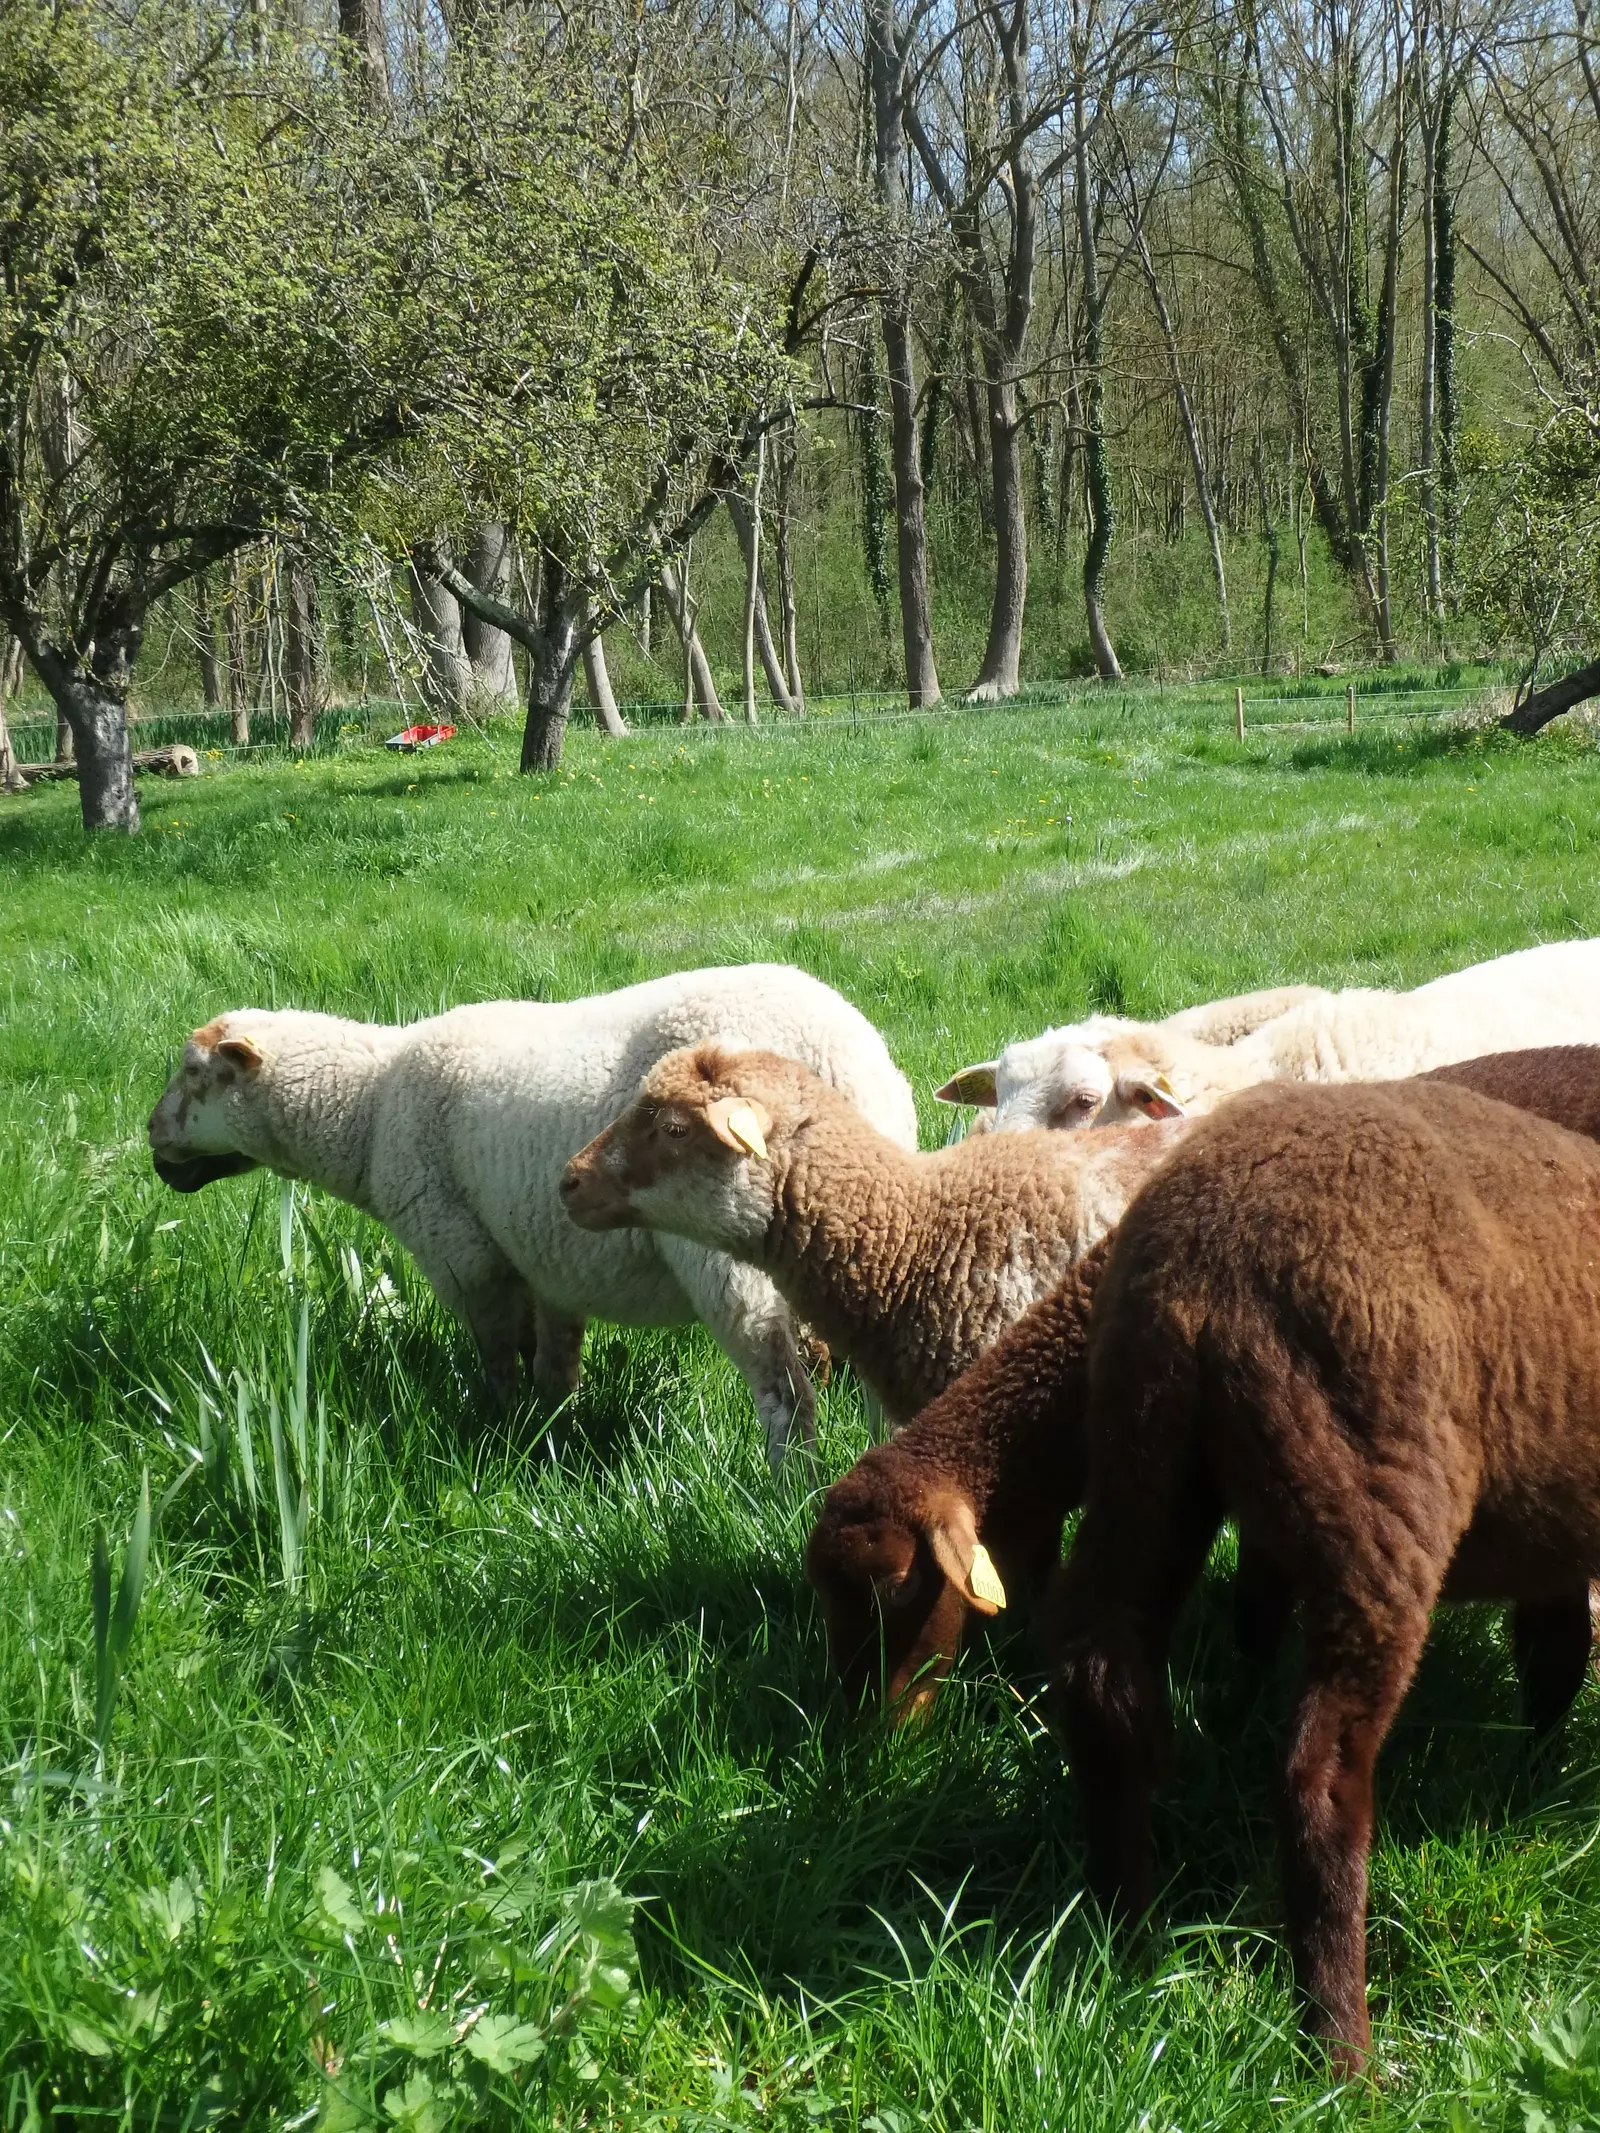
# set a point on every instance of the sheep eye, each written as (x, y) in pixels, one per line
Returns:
(674, 1126)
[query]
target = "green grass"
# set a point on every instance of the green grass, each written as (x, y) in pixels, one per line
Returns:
(499, 1774)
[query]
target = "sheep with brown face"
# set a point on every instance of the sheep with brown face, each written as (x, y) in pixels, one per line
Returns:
(907, 1264)
(960, 1512)
(1364, 1323)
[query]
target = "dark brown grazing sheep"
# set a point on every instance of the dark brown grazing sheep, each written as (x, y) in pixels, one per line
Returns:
(996, 1461)
(998, 1456)
(1363, 1322)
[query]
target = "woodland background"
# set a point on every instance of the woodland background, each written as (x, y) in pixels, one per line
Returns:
(754, 349)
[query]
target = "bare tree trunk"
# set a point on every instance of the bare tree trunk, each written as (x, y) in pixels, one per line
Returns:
(1191, 434)
(886, 61)
(95, 706)
(238, 657)
(66, 747)
(1097, 472)
(746, 524)
(1432, 591)
(752, 588)
(699, 688)
(101, 749)
(788, 607)
(1440, 211)
(1388, 329)
(606, 715)
(999, 674)
(551, 670)
(488, 650)
(1269, 533)
(11, 778)
(361, 25)
(446, 671)
(205, 635)
(303, 654)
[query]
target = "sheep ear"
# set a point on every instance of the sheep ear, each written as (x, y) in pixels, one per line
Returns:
(965, 1561)
(973, 1085)
(241, 1053)
(1152, 1094)
(740, 1124)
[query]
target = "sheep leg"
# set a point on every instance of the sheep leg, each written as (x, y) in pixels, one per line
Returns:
(474, 1280)
(499, 1316)
(1110, 1618)
(757, 1331)
(556, 1363)
(1360, 1661)
(1551, 1639)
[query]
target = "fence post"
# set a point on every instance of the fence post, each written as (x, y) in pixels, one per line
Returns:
(1238, 713)
(1349, 707)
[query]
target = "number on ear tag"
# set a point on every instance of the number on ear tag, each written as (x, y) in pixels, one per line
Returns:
(984, 1579)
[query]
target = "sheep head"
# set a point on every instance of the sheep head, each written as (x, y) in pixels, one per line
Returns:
(201, 1129)
(897, 1564)
(1062, 1081)
(699, 1152)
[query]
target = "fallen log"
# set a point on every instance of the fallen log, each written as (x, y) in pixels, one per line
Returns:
(178, 761)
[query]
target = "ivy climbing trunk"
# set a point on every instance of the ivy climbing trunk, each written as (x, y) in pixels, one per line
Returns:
(1096, 463)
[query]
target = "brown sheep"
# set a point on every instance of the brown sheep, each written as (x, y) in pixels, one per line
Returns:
(998, 1455)
(994, 1463)
(1364, 1323)
(909, 1265)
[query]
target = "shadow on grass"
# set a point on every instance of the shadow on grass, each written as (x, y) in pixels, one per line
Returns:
(864, 1837)
(1403, 754)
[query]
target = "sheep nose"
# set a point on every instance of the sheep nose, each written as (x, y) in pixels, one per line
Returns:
(570, 1181)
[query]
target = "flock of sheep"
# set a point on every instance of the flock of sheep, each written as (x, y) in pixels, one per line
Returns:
(1360, 1320)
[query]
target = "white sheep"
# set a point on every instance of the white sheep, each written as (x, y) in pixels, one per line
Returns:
(1109, 1072)
(453, 1132)
(1033, 1075)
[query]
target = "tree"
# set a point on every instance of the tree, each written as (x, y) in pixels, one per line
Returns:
(886, 46)
(613, 378)
(1308, 100)
(190, 272)
(1534, 553)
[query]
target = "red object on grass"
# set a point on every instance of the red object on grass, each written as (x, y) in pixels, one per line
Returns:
(419, 737)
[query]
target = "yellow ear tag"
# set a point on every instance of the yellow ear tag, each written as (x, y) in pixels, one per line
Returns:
(746, 1130)
(984, 1579)
(1161, 1082)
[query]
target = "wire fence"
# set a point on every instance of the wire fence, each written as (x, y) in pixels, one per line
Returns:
(1306, 705)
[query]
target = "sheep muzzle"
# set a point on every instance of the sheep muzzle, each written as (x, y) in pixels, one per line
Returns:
(188, 1173)
(592, 1198)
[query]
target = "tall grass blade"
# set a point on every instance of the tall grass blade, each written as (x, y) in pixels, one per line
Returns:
(247, 1450)
(113, 1624)
(288, 1517)
(100, 1606)
(298, 1404)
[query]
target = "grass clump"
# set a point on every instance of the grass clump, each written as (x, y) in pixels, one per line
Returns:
(430, 1775)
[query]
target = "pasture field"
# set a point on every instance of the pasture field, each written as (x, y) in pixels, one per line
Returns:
(449, 1777)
